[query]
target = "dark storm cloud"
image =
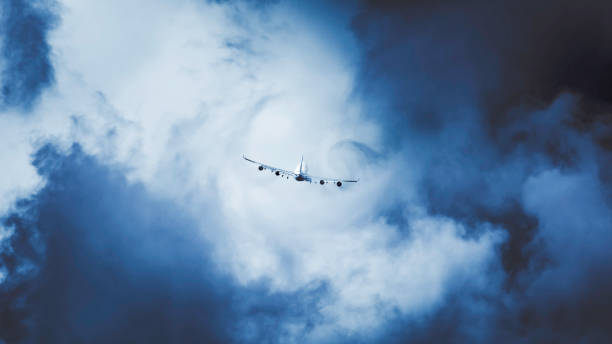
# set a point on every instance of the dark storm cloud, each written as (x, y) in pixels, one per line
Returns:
(432, 59)
(26, 65)
(489, 94)
(94, 258)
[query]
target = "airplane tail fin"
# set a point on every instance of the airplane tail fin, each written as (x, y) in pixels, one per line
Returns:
(300, 166)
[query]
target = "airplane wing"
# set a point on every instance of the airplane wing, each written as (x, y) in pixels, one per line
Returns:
(277, 171)
(336, 181)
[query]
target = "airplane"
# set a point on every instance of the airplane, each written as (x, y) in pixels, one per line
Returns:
(300, 173)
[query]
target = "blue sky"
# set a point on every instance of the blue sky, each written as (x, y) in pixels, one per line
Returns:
(480, 133)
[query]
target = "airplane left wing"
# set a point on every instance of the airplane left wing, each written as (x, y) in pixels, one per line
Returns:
(277, 171)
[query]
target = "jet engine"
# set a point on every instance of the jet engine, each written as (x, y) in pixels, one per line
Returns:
(260, 168)
(322, 182)
(339, 184)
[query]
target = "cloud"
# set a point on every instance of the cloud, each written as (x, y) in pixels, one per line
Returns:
(26, 55)
(504, 131)
(95, 253)
(469, 142)
(94, 257)
(172, 117)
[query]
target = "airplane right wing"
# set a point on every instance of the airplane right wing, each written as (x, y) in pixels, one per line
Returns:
(338, 182)
(277, 171)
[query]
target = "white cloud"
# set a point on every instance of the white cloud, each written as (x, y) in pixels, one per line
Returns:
(177, 91)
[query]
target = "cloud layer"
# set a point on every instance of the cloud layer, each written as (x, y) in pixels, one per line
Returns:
(509, 103)
(480, 133)
(26, 61)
